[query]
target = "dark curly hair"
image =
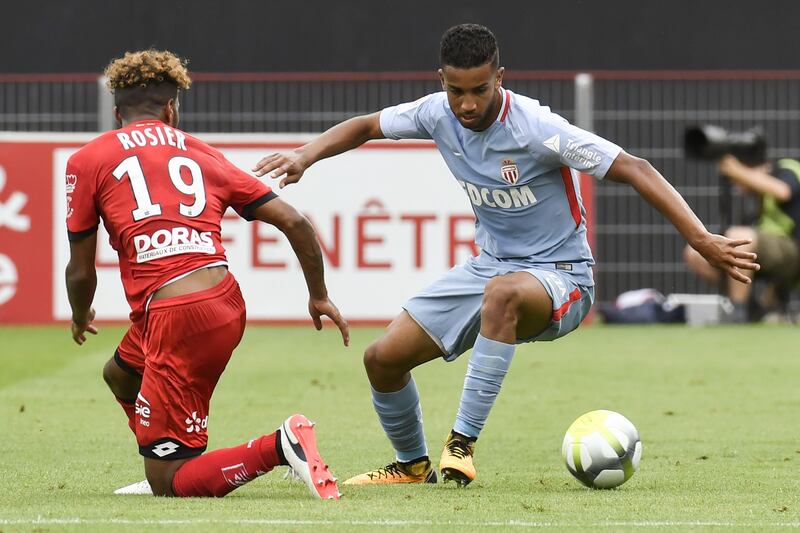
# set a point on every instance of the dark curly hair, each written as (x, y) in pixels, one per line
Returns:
(146, 78)
(469, 46)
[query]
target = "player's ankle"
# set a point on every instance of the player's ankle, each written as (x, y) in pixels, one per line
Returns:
(461, 436)
(279, 448)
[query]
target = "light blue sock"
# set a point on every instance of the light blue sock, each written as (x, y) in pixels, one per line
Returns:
(401, 417)
(487, 368)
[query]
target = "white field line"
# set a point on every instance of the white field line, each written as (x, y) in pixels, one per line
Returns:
(402, 523)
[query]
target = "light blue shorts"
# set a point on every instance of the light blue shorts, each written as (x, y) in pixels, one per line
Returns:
(449, 309)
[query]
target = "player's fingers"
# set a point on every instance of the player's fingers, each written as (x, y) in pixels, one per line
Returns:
(738, 276)
(341, 323)
(317, 320)
(288, 180)
(740, 242)
(263, 162)
(91, 329)
(280, 170)
(747, 265)
(745, 255)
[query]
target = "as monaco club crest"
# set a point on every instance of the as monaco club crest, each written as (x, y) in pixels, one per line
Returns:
(509, 171)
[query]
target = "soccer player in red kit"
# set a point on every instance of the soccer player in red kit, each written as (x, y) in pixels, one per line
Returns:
(161, 194)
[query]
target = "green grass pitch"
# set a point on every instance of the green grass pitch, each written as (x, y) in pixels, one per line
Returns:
(718, 410)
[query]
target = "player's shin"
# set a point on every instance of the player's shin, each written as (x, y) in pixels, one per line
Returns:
(487, 368)
(219, 472)
(400, 415)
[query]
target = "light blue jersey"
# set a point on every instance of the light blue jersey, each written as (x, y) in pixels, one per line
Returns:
(517, 175)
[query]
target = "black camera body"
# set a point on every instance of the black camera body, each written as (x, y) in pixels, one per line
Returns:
(711, 142)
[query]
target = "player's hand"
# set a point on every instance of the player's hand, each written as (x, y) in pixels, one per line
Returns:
(724, 254)
(319, 307)
(276, 165)
(80, 327)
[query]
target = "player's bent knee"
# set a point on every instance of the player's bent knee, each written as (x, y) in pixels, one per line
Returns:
(378, 362)
(501, 300)
(122, 384)
(372, 358)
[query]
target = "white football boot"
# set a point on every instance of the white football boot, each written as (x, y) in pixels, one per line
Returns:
(141, 487)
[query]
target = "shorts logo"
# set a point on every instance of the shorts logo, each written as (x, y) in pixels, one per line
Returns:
(194, 424)
(142, 407)
(509, 171)
(165, 448)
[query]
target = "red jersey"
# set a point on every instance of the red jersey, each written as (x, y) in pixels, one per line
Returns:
(161, 194)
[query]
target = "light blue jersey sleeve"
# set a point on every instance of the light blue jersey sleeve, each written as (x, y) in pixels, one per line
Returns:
(412, 120)
(553, 140)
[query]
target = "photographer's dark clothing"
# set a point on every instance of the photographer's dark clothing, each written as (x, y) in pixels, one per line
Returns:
(778, 237)
(783, 218)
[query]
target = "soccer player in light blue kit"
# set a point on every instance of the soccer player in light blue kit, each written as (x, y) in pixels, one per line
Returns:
(516, 161)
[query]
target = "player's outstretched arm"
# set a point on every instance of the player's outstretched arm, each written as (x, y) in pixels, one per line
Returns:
(81, 277)
(304, 242)
(650, 184)
(345, 136)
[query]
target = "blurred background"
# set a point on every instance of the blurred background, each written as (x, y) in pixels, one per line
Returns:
(653, 68)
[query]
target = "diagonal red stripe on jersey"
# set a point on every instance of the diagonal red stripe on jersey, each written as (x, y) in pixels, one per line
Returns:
(506, 106)
(572, 198)
(574, 296)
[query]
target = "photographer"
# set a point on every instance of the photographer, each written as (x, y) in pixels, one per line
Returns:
(776, 235)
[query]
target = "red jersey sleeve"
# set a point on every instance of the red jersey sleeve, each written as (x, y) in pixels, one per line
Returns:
(81, 188)
(245, 192)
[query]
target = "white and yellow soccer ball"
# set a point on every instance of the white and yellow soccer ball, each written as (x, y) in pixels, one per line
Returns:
(602, 449)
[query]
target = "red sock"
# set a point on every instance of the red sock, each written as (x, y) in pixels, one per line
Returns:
(219, 472)
(130, 411)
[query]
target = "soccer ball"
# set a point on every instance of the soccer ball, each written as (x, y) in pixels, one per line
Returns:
(602, 449)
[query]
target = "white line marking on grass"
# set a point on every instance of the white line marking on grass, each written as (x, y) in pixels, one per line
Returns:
(40, 520)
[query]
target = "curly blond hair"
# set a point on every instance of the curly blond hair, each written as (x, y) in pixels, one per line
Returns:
(144, 67)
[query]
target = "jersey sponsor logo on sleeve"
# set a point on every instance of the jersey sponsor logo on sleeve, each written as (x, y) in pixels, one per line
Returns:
(506, 198)
(175, 241)
(584, 157)
(71, 182)
(509, 171)
(554, 143)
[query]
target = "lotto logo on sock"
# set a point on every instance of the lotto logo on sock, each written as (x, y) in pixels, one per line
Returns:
(236, 475)
(194, 424)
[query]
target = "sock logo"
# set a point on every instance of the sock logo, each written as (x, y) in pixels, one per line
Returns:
(236, 475)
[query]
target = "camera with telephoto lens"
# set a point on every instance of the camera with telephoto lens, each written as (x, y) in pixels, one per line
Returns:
(711, 142)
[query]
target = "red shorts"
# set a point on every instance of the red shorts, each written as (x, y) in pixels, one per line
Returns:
(181, 348)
